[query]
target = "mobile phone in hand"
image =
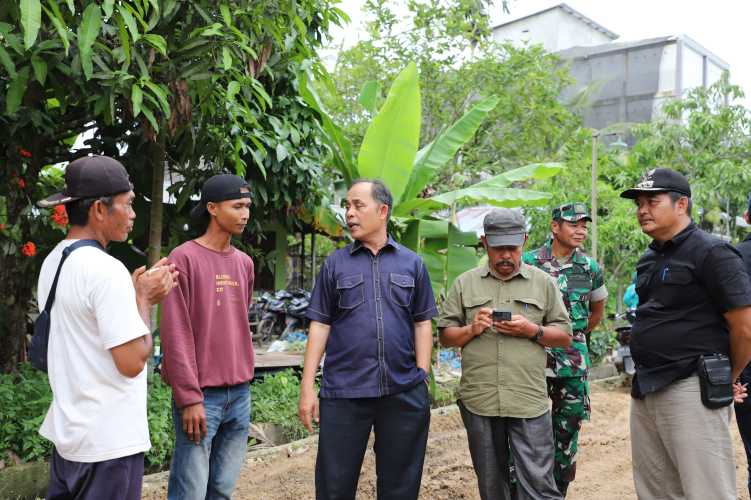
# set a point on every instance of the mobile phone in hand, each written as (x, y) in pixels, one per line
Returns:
(501, 315)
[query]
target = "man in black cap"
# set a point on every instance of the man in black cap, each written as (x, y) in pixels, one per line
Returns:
(692, 334)
(503, 315)
(743, 409)
(99, 341)
(207, 345)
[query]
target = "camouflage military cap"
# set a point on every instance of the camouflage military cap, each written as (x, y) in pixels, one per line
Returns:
(572, 212)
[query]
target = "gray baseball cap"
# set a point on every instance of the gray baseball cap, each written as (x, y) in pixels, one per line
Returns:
(505, 227)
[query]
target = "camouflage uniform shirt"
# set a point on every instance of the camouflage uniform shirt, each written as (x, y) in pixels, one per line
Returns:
(580, 281)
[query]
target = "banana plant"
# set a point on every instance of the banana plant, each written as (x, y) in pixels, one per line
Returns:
(390, 152)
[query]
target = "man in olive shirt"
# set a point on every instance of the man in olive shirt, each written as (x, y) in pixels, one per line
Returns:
(502, 393)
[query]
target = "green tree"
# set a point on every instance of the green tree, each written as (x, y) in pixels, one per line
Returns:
(456, 59)
(199, 86)
(707, 136)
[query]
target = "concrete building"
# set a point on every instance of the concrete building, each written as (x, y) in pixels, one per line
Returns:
(627, 82)
(556, 28)
(634, 79)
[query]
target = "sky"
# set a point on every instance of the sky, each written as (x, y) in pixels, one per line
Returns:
(720, 26)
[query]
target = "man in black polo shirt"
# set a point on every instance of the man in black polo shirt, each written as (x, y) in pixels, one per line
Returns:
(743, 410)
(694, 299)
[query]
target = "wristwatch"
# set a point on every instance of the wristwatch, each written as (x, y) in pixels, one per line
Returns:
(538, 336)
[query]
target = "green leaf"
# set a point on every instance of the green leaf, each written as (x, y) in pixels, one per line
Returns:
(122, 33)
(369, 96)
(130, 22)
(150, 117)
(435, 155)
(473, 195)
(281, 152)
(226, 16)
(461, 255)
(161, 95)
(533, 171)
(108, 6)
(7, 62)
(87, 34)
(232, 89)
(155, 5)
(31, 20)
(71, 6)
(56, 18)
(16, 91)
(40, 68)
(157, 41)
(390, 144)
(136, 98)
(226, 58)
(340, 146)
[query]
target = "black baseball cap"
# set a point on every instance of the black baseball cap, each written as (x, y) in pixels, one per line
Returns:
(660, 180)
(90, 177)
(220, 187)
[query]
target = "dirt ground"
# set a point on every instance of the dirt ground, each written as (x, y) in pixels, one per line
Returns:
(604, 470)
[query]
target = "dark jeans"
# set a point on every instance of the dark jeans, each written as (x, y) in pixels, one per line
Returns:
(116, 479)
(400, 423)
(743, 417)
(531, 442)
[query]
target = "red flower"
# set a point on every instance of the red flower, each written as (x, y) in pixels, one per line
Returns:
(21, 183)
(29, 249)
(59, 216)
(24, 152)
(2, 227)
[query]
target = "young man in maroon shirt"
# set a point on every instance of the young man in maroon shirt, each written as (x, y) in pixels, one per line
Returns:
(208, 352)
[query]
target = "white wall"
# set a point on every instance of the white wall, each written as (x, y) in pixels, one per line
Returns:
(555, 30)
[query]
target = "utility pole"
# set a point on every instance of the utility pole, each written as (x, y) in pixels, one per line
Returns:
(595, 135)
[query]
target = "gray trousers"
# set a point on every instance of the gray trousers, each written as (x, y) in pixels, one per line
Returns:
(531, 442)
(680, 449)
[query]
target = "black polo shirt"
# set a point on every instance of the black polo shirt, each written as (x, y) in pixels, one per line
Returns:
(684, 286)
(744, 248)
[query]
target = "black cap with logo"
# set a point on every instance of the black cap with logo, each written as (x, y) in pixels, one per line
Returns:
(220, 187)
(90, 177)
(660, 180)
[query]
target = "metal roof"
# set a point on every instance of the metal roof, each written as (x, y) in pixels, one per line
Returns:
(568, 10)
(584, 52)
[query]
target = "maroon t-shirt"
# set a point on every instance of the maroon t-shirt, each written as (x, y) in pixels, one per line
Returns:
(205, 334)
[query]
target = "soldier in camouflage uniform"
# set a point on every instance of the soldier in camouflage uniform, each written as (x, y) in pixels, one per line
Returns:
(581, 283)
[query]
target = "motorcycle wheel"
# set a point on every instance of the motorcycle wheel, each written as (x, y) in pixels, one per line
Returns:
(266, 329)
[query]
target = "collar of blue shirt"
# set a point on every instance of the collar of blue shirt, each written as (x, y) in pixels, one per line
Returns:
(357, 245)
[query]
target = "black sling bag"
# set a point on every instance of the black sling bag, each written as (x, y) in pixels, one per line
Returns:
(41, 338)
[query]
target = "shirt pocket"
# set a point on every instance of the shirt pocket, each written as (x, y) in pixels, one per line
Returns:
(531, 308)
(351, 291)
(473, 304)
(401, 289)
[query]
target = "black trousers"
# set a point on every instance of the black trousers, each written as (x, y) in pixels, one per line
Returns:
(531, 442)
(743, 417)
(116, 479)
(400, 423)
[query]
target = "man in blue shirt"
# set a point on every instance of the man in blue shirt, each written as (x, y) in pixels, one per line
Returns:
(371, 313)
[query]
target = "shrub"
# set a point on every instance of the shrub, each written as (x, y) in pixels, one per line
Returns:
(275, 399)
(25, 397)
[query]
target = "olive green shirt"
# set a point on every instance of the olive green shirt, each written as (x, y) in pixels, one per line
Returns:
(504, 376)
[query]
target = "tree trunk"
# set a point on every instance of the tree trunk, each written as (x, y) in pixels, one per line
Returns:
(157, 209)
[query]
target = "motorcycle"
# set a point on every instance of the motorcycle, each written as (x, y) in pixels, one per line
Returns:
(280, 314)
(622, 358)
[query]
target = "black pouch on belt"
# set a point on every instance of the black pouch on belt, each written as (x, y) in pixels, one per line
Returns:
(715, 380)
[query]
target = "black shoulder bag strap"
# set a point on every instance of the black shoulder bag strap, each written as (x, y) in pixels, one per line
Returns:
(41, 338)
